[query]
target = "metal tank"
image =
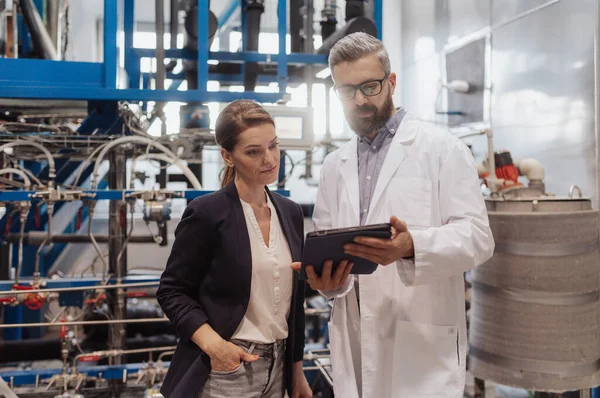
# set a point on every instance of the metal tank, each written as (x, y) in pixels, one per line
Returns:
(534, 316)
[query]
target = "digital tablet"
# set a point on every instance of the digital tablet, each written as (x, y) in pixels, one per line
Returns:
(329, 245)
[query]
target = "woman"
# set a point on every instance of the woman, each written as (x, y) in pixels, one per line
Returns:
(228, 286)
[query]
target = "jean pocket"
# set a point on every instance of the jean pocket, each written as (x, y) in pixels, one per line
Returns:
(238, 369)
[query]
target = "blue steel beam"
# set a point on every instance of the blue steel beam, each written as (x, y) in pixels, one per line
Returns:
(378, 17)
(203, 45)
(115, 194)
(109, 372)
(240, 56)
(110, 43)
(282, 59)
(132, 65)
(102, 94)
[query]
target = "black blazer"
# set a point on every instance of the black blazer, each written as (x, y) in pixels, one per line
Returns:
(208, 277)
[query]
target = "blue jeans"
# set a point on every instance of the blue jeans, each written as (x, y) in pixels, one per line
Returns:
(260, 379)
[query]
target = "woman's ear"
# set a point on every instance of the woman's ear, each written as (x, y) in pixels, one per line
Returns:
(227, 157)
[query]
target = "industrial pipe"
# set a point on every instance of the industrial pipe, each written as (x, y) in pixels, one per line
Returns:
(113, 353)
(255, 8)
(51, 166)
(52, 19)
(531, 168)
(18, 172)
(123, 140)
(81, 288)
(328, 19)
(23, 220)
(39, 34)
(177, 162)
(36, 272)
(358, 24)
(34, 238)
(174, 31)
(82, 323)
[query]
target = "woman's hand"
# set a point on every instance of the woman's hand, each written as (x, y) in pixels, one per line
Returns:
(224, 356)
(227, 357)
(300, 388)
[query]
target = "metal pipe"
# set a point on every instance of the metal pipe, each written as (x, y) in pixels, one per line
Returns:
(34, 238)
(491, 158)
(174, 31)
(52, 169)
(117, 257)
(36, 272)
(15, 32)
(18, 172)
(160, 43)
(39, 34)
(83, 323)
(23, 220)
(114, 353)
(122, 140)
(165, 354)
(93, 239)
(52, 21)
(81, 288)
(177, 162)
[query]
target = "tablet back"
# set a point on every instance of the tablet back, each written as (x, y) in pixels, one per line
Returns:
(329, 245)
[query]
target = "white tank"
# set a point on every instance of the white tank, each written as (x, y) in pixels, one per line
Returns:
(534, 319)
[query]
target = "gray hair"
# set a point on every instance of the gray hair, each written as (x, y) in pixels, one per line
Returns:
(356, 46)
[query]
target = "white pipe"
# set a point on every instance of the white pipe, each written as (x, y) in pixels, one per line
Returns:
(123, 140)
(5, 389)
(174, 161)
(18, 172)
(491, 158)
(531, 168)
(85, 163)
(52, 171)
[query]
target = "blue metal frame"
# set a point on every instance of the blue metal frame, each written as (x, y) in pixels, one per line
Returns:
(115, 194)
(42, 79)
(112, 372)
(378, 17)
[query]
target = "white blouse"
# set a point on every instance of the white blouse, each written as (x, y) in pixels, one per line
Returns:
(271, 291)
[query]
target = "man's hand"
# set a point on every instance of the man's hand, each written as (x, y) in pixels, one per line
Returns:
(384, 251)
(326, 281)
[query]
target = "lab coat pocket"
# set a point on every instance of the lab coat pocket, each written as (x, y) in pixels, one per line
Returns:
(410, 200)
(426, 362)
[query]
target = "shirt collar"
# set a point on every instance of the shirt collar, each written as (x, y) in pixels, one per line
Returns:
(390, 127)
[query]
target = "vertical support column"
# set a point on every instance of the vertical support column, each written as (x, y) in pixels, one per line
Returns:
(203, 46)
(281, 176)
(117, 231)
(132, 63)
(282, 64)
(110, 43)
(378, 17)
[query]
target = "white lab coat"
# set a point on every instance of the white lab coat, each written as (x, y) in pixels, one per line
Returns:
(409, 340)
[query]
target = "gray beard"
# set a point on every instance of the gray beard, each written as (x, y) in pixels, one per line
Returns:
(370, 126)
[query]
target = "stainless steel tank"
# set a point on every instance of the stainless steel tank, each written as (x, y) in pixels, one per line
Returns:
(534, 319)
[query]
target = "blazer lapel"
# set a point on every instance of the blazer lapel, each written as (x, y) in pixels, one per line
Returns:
(244, 253)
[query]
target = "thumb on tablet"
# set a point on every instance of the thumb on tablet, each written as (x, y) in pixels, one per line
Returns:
(296, 266)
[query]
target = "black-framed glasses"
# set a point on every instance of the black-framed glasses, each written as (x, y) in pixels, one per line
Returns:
(369, 88)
